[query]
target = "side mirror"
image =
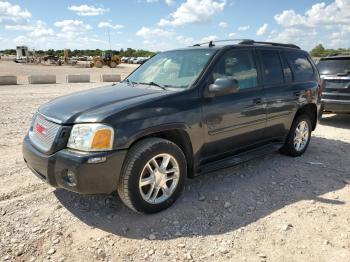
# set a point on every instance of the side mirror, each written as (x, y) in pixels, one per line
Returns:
(223, 86)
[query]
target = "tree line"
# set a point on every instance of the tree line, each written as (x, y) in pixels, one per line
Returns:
(129, 52)
(320, 51)
(317, 51)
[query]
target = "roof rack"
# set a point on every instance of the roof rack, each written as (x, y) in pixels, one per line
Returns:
(252, 42)
(247, 42)
(211, 43)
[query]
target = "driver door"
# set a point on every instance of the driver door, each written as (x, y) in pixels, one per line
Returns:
(234, 122)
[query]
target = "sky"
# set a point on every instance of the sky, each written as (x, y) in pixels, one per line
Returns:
(159, 25)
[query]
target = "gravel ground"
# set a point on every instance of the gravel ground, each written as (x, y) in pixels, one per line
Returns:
(274, 208)
(23, 70)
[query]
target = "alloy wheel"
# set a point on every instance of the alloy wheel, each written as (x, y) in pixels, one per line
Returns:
(159, 178)
(301, 136)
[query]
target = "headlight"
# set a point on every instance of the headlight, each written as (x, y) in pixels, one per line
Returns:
(32, 122)
(91, 137)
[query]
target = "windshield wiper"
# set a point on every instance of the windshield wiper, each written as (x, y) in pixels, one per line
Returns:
(129, 82)
(151, 84)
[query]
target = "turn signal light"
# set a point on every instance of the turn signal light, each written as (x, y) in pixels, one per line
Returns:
(102, 139)
(321, 87)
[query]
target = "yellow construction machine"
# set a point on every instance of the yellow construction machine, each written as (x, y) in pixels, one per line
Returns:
(106, 59)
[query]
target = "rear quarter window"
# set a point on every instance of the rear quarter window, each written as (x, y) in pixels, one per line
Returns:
(303, 69)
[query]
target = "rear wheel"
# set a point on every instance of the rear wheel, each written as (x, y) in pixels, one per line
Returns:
(99, 64)
(153, 175)
(113, 64)
(299, 136)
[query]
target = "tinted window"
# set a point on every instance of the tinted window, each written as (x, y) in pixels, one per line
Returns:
(301, 66)
(272, 69)
(238, 64)
(288, 76)
(334, 66)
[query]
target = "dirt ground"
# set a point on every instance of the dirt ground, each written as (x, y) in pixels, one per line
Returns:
(274, 208)
(23, 70)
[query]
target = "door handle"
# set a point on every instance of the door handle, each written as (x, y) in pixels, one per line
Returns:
(257, 101)
(297, 94)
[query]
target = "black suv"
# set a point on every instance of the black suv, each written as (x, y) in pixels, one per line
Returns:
(335, 71)
(182, 113)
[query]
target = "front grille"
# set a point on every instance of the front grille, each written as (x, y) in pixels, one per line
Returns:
(337, 83)
(43, 132)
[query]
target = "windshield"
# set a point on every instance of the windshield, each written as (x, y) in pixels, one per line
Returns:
(178, 69)
(334, 66)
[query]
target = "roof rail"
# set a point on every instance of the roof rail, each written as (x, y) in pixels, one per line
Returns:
(211, 43)
(252, 42)
(247, 42)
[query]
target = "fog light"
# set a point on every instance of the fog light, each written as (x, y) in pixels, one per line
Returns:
(71, 178)
(95, 160)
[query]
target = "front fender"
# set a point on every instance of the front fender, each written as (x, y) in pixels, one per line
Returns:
(154, 129)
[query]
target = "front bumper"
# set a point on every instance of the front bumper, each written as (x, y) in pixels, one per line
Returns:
(97, 178)
(336, 106)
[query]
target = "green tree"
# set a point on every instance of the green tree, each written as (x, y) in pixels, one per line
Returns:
(86, 52)
(8, 51)
(318, 51)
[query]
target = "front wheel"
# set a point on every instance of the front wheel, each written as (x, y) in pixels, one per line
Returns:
(113, 64)
(299, 137)
(98, 64)
(152, 176)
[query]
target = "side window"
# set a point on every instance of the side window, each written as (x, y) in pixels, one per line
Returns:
(272, 70)
(301, 66)
(238, 64)
(288, 76)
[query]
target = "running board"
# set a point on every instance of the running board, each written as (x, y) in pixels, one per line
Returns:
(240, 158)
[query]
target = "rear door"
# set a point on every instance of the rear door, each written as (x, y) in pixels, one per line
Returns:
(236, 121)
(279, 93)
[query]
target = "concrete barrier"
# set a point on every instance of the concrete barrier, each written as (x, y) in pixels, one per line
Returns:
(110, 78)
(78, 78)
(8, 80)
(42, 79)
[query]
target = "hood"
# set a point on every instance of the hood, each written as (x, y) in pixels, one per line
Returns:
(92, 105)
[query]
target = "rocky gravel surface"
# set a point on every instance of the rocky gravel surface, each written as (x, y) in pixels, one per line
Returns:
(23, 70)
(274, 208)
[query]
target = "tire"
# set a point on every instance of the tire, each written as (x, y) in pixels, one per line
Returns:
(135, 169)
(99, 64)
(113, 64)
(290, 147)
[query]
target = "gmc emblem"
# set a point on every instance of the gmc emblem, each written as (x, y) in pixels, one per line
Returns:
(40, 129)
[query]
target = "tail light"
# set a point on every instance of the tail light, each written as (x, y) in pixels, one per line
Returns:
(321, 87)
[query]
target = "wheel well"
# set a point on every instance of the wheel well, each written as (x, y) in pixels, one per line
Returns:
(311, 111)
(181, 139)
